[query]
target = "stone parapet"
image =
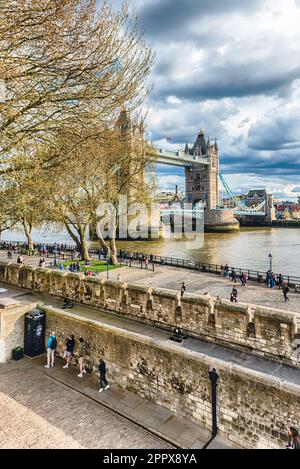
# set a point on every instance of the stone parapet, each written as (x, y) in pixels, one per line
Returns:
(263, 331)
(254, 408)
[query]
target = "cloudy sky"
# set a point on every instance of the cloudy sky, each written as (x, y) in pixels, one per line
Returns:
(232, 68)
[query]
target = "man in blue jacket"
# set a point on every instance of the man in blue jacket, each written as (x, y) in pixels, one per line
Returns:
(51, 346)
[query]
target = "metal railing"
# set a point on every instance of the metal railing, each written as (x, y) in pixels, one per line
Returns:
(68, 251)
(254, 275)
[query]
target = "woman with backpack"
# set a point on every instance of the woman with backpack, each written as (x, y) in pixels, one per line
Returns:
(51, 347)
(70, 343)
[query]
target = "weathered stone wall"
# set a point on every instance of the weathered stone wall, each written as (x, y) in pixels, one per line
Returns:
(264, 331)
(12, 314)
(254, 409)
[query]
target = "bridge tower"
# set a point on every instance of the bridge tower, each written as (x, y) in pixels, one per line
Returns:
(270, 209)
(202, 182)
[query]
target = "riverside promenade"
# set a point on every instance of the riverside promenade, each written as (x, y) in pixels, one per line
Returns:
(196, 282)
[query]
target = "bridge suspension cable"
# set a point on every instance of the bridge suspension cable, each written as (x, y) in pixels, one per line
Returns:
(240, 204)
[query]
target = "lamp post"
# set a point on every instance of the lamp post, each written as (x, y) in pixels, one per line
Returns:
(55, 252)
(107, 266)
(270, 260)
(213, 376)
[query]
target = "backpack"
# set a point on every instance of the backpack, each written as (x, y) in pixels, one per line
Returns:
(53, 344)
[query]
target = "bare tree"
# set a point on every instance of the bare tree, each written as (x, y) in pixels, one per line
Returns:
(24, 201)
(98, 172)
(65, 64)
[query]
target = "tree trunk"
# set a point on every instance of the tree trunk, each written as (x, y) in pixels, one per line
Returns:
(28, 233)
(80, 240)
(109, 247)
(104, 245)
(85, 255)
(113, 251)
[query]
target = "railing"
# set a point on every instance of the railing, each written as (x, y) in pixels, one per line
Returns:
(68, 251)
(254, 275)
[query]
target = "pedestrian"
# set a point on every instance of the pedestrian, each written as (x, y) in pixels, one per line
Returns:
(285, 290)
(226, 270)
(70, 343)
(293, 442)
(280, 281)
(183, 289)
(82, 357)
(51, 347)
(146, 262)
(233, 275)
(233, 296)
(102, 373)
(269, 278)
(273, 280)
(119, 278)
(242, 279)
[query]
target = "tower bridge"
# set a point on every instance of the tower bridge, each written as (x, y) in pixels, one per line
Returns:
(202, 178)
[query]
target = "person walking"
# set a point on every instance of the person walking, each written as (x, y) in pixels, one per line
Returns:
(233, 275)
(183, 289)
(285, 290)
(269, 278)
(273, 280)
(280, 281)
(293, 442)
(243, 279)
(82, 357)
(70, 343)
(233, 296)
(226, 270)
(51, 347)
(102, 373)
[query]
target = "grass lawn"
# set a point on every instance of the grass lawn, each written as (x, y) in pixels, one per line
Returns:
(96, 266)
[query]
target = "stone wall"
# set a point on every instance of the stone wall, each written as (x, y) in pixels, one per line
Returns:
(12, 314)
(263, 331)
(254, 409)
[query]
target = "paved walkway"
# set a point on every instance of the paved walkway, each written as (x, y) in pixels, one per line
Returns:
(196, 282)
(40, 412)
(53, 408)
(215, 285)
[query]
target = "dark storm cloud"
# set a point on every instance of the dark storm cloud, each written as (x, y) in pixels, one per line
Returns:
(227, 82)
(277, 133)
(169, 18)
(248, 162)
(220, 60)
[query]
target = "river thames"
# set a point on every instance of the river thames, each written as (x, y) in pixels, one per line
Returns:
(247, 248)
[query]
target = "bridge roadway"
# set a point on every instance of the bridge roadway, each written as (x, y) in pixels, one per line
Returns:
(178, 158)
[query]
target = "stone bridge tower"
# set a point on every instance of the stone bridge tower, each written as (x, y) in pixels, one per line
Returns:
(202, 182)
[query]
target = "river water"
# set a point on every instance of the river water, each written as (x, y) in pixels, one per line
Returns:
(247, 248)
